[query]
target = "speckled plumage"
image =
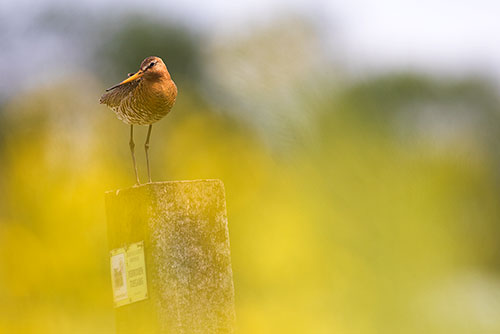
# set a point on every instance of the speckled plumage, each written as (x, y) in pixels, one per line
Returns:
(145, 100)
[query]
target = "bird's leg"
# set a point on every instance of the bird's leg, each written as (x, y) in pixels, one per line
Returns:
(146, 148)
(132, 146)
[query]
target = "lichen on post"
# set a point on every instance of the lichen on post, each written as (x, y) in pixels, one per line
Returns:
(183, 226)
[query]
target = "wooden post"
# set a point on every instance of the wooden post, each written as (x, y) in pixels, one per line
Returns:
(183, 227)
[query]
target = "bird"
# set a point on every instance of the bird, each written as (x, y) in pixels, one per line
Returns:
(144, 98)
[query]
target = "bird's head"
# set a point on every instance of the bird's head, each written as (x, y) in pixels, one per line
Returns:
(152, 68)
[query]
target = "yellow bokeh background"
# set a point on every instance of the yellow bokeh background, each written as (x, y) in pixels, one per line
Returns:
(354, 206)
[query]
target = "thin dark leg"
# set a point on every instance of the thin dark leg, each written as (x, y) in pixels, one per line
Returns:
(132, 146)
(146, 148)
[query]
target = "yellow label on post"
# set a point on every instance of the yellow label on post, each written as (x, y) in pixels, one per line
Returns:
(128, 274)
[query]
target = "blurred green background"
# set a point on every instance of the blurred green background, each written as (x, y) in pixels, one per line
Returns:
(361, 198)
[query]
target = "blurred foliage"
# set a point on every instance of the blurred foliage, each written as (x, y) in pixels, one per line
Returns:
(134, 37)
(382, 219)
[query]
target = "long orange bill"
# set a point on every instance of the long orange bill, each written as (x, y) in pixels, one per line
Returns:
(136, 76)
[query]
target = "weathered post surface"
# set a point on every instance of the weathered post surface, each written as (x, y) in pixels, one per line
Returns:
(184, 230)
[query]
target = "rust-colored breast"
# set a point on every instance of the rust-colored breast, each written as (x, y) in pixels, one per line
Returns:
(141, 102)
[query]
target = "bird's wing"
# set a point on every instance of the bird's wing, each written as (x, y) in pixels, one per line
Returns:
(114, 97)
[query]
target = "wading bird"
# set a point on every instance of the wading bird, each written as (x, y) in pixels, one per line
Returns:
(143, 98)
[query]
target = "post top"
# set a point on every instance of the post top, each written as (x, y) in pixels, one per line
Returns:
(162, 183)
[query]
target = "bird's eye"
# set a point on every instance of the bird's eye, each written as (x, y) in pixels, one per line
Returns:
(151, 64)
